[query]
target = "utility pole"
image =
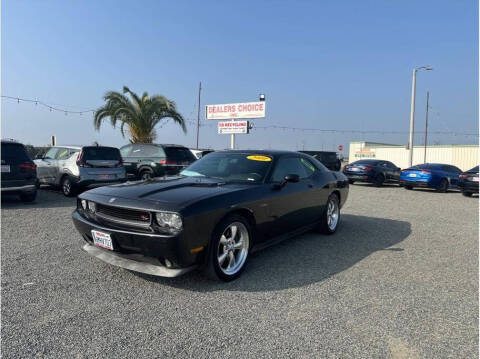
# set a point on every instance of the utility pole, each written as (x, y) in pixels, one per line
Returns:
(412, 112)
(198, 113)
(426, 130)
(412, 119)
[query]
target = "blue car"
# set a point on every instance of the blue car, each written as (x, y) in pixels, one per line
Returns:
(431, 175)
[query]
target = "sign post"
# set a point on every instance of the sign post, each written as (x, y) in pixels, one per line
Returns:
(233, 112)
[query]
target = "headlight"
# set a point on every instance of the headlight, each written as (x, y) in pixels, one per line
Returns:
(92, 206)
(170, 222)
(84, 204)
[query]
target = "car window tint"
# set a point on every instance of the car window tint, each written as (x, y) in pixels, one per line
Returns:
(14, 152)
(179, 154)
(125, 151)
(147, 151)
(63, 154)
(101, 153)
(455, 169)
(52, 153)
(289, 165)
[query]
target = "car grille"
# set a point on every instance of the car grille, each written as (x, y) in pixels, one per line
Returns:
(124, 216)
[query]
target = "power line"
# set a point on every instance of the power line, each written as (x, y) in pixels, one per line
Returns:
(195, 122)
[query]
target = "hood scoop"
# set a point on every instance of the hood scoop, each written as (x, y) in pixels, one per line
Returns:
(181, 185)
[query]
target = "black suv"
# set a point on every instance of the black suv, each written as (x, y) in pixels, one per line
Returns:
(147, 160)
(327, 158)
(19, 173)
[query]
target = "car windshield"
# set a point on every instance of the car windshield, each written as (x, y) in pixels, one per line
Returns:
(101, 153)
(231, 167)
(426, 166)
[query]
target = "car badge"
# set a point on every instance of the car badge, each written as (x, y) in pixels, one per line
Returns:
(111, 200)
(144, 217)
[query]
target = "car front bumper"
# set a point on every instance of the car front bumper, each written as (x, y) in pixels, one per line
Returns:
(141, 252)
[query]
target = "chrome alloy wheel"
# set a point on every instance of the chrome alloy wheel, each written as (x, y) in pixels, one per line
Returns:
(332, 213)
(232, 248)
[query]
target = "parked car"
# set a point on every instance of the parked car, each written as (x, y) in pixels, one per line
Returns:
(77, 168)
(327, 158)
(212, 215)
(468, 182)
(431, 175)
(377, 172)
(148, 160)
(18, 171)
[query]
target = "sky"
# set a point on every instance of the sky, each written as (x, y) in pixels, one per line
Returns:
(328, 65)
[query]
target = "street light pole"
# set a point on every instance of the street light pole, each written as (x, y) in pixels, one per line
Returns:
(426, 130)
(412, 113)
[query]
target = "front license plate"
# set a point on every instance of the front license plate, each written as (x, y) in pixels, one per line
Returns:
(102, 239)
(104, 176)
(412, 175)
(5, 168)
(475, 179)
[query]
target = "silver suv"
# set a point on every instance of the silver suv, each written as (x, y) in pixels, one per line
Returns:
(75, 168)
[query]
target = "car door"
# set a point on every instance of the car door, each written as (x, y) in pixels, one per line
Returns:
(454, 173)
(129, 162)
(292, 205)
(45, 166)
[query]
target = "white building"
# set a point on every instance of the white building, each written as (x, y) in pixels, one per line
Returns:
(462, 156)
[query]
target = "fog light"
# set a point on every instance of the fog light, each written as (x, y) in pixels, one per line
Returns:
(84, 204)
(168, 263)
(92, 207)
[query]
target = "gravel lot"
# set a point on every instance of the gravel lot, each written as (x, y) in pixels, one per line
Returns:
(399, 279)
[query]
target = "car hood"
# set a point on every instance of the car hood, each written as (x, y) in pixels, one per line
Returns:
(168, 192)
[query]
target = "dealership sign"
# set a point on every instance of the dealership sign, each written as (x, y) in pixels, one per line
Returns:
(232, 127)
(235, 110)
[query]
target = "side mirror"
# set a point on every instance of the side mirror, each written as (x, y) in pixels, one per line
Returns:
(291, 178)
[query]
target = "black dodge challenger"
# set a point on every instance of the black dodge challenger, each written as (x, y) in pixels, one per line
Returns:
(212, 215)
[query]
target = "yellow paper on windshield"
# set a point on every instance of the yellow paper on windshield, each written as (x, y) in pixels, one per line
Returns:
(259, 158)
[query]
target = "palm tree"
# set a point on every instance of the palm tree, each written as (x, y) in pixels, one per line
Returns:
(140, 114)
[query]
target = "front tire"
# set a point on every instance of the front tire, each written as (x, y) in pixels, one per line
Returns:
(408, 187)
(467, 194)
(229, 249)
(351, 181)
(331, 215)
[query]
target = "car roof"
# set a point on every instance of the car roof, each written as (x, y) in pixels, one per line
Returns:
(10, 140)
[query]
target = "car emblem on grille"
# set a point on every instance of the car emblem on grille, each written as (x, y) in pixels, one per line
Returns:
(144, 217)
(111, 200)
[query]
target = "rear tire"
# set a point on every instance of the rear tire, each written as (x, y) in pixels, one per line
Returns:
(351, 181)
(330, 216)
(28, 197)
(229, 249)
(443, 186)
(146, 175)
(379, 179)
(68, 188)
(408, 187)
(467, 194)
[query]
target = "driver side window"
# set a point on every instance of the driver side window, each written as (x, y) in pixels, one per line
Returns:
(292, 165)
